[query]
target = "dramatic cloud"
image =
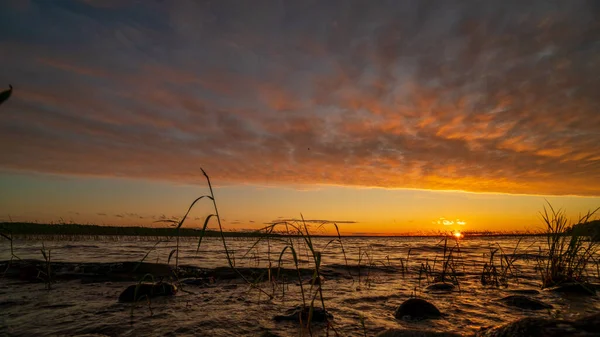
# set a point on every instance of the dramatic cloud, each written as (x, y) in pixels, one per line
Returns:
(481, 96)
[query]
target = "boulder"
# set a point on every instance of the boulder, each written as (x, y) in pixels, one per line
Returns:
(540, 327)
(524, 302)
(140, 291)
(440, 286)
(588, 323)
(301, 312)
(575, 289)
(529, 327)
(143, 268)
(417, 308)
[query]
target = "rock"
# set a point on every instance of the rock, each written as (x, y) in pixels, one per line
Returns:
(8, 304)
(539, 327)
(588, 323)
(524, 302)
(300, 311)
(441, 286)
(140, 291)
(530, 327)
(415, 333)
(417, 308)
(142, 268)
(575, 289)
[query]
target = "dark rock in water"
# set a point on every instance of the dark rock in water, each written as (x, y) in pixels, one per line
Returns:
(417, 308)
(530, 327)
(415, 333)
(22, 270)
(300, 311)
(539, 327)
(588, 323)
(8, 304)
(142, 268)
(441, 286)
(139, 291)
(575, 289)
(524, 302)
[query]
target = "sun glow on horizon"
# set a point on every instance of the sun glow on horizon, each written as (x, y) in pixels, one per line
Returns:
(458, 235)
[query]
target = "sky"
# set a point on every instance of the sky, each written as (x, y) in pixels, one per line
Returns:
(391, 115)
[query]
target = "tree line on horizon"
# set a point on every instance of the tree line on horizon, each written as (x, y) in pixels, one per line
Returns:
(28, 228)
(591, 229)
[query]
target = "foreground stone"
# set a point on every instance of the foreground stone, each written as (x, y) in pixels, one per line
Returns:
(540, 327)
(417, 308)
(524, 302)
(575, 289)
(415, 333)
(140, 291)
(301, 312)
(589, 323)
(441, 286)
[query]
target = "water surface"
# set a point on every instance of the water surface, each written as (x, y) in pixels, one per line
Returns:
(371, 284)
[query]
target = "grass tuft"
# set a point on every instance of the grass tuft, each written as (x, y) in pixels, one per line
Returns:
(569, 252)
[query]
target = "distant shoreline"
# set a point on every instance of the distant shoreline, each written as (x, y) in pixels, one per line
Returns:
(28, 228)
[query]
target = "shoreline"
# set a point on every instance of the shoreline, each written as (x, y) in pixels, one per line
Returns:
(36, 229)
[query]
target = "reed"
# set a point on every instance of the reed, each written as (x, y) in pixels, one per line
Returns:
(569, 252)
(361, 319)
(137, 297)
(46, 274)
(297, 236)
(10, 239)
(450, 262)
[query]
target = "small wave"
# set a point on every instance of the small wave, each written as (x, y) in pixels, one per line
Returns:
(371, 299)
(79, 246)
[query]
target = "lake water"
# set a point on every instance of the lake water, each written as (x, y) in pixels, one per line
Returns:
(372, 277)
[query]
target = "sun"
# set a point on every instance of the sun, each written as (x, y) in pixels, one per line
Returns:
(458, 235)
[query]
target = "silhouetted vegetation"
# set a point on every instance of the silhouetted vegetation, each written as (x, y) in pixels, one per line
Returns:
(26, 228)
(590, 229)
(569, 253)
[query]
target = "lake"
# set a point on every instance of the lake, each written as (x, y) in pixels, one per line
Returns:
(363, 284)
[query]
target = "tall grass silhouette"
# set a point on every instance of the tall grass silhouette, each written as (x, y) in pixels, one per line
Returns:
(569, 252)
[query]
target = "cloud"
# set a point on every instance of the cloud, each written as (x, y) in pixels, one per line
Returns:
(417, 94)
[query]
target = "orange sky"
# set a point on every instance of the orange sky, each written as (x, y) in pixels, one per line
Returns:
(361, 111)
(46, 198)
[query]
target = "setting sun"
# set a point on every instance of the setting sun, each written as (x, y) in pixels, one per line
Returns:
(458, 235)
